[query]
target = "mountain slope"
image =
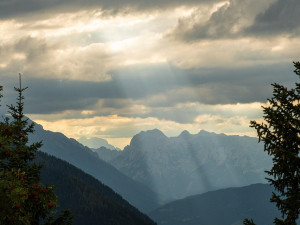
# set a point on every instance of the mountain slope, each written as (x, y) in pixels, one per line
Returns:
(90, 201)
(70, 150)
(223, 207)
(107, 154)
(191, 164)
(95, 143)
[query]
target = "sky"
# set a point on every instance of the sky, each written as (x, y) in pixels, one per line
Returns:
(112, 68)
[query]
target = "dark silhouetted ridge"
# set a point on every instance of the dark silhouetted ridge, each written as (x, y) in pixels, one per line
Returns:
(91, 202)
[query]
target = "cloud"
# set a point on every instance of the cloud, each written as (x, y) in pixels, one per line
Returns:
(240, 19)
(34, 8)
(282, 17)
(111, 68)
(225, 20)
(150, 91)
(188, 112)
(38, 57)
(78, 52)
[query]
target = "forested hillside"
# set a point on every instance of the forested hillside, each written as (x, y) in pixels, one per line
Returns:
(222, 207)
(91, 202)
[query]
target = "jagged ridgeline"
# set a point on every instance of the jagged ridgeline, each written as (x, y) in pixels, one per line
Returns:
(177, 167)
(90, 201)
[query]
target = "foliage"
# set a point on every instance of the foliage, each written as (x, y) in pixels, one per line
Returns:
(23, 199)
(281, 136)
(248, 222)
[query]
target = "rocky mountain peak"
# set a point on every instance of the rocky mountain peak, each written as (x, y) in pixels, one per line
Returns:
(184, 134)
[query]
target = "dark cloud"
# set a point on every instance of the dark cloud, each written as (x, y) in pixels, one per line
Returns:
(28, 8)
(180, 115)
(144, 86)
(218, 26)
(234, 20)
(226, 22)
(282, 17)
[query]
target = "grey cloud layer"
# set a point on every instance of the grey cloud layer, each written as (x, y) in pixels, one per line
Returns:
(138, 85)
(19, 8)
(282, 17)
(242, 18)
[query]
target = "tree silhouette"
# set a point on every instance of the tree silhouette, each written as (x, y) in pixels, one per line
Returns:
(23, 199)
(281, 136)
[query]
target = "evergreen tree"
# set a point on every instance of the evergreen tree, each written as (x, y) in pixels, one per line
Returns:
(23, 199)
(281, 136)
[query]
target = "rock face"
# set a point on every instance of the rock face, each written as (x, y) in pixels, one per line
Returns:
(189, 164)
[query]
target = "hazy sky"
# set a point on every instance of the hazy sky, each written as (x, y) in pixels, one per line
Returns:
(111, 68)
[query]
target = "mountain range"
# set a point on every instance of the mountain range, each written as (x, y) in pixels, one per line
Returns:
(93, 203)
(177, 167)
(95, 143)
(73, 152)
(156, 169)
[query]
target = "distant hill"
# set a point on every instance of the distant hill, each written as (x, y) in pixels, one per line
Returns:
(70, 150)
(223, 207)
(91, 202)
(189, 164)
